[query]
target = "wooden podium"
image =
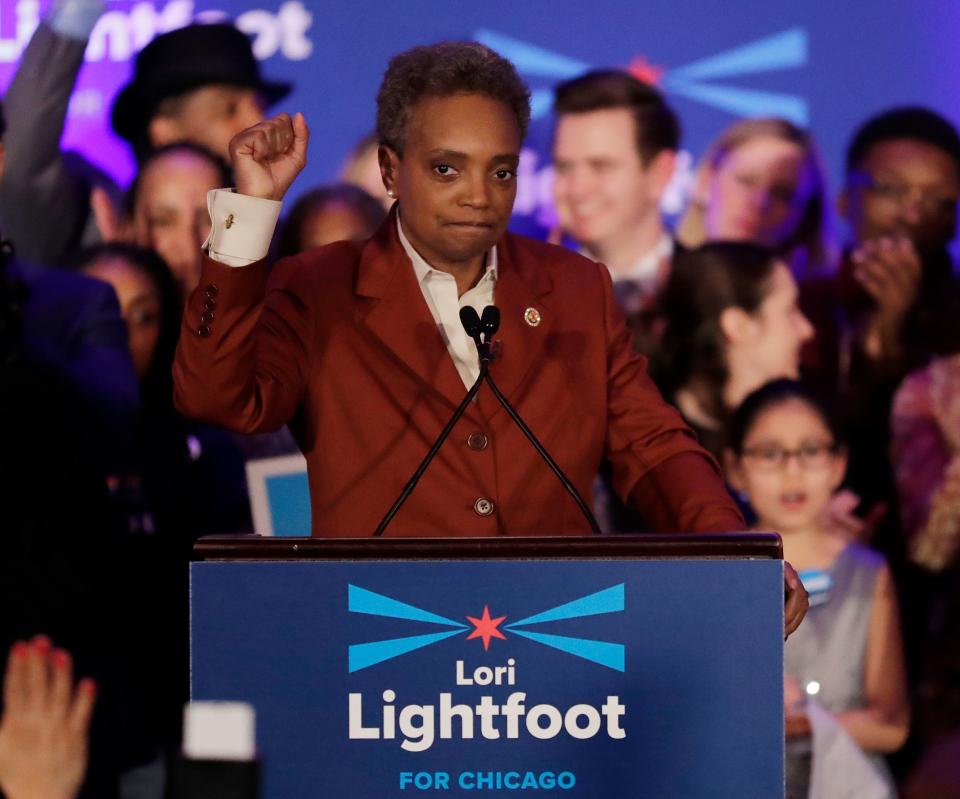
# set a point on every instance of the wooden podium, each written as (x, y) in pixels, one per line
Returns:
(609, 666)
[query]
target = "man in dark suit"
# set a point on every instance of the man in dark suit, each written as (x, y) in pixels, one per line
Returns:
(361, 345)
(67, 410)
(72, 326)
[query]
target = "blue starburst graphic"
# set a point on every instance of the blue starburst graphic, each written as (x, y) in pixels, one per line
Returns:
(786, 50)
(603, 653)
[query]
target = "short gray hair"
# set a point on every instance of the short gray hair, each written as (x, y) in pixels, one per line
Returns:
(442, 70)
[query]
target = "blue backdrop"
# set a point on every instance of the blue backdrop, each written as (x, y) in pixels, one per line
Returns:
(827, 65)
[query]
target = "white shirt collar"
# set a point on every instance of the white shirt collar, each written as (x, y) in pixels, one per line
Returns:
(647, 267)
(423, 270)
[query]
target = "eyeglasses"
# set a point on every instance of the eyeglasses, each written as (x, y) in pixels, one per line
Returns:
(811, 456)
(900, 194)
(783, 193)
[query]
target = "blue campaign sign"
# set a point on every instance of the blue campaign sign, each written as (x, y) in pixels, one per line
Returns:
(596, 678)
(289, 503)
(279, 495)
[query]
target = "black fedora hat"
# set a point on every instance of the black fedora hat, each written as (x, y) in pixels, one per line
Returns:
(186, 59)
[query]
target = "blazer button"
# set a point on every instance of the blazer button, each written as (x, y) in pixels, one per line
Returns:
(210, 304)
(211, 290)
(203, 331)
(483, 506)
(477, 441)
(206, 317)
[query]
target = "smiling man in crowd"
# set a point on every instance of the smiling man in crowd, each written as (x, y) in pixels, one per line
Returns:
(614, 153)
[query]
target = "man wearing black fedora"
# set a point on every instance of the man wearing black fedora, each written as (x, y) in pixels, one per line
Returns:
(200, 84)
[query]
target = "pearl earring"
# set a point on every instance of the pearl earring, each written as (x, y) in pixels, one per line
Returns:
(390, 193)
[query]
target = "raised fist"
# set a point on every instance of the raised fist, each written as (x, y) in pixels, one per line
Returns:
(268, 157)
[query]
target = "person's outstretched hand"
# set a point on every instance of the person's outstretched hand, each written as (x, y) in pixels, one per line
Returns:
(43, 732)
(268, 157)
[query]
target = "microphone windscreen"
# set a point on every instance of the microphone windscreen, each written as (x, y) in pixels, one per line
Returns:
(470, 320)
(490, 321)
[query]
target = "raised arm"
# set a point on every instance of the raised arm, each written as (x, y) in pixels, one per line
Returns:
(43, 205)
(243, 353)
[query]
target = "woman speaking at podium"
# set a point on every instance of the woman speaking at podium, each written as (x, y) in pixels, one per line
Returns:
(359, 345)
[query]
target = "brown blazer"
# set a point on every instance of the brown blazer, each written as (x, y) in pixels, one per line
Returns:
(340, 343)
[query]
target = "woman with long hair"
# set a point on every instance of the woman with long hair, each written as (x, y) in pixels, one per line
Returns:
(732, 324)
(762, 181)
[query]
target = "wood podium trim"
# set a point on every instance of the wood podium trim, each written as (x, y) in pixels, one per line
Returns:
(765, 546)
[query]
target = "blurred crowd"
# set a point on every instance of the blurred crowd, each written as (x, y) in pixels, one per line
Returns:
(822, 371)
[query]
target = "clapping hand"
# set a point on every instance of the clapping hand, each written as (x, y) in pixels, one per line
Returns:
(889, 270)
(840, 515)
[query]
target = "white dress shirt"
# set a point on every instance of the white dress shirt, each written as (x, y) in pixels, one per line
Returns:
(440, 291)
(645, 271)
(240, 233)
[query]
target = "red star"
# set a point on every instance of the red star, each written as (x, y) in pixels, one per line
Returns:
(486, 628)
(643, 70)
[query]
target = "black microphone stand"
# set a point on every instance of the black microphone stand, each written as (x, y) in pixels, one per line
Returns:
(485, 359)
(554, 467)
(481, 330)
(489, 324)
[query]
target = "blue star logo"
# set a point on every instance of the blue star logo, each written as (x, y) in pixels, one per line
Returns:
(603, 653)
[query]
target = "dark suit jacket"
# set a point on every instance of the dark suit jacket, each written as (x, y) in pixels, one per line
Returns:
(68, 408)
(72, 324)
(341, 341)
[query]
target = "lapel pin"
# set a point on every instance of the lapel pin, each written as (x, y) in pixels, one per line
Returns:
(532, 317)
(229, 223)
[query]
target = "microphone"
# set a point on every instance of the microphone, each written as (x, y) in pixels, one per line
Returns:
(490, 321)
(470, 320)
(489, 324)
(481, 329)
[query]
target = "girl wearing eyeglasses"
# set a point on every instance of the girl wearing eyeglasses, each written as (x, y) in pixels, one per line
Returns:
(784, 455)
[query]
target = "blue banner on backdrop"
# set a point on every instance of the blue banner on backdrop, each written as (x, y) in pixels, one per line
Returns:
(584, 678)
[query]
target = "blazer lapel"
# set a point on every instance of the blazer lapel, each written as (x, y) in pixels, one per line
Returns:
(400, 318)
(525, 322)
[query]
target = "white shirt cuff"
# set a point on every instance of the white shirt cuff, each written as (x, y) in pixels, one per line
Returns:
(241, 226)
